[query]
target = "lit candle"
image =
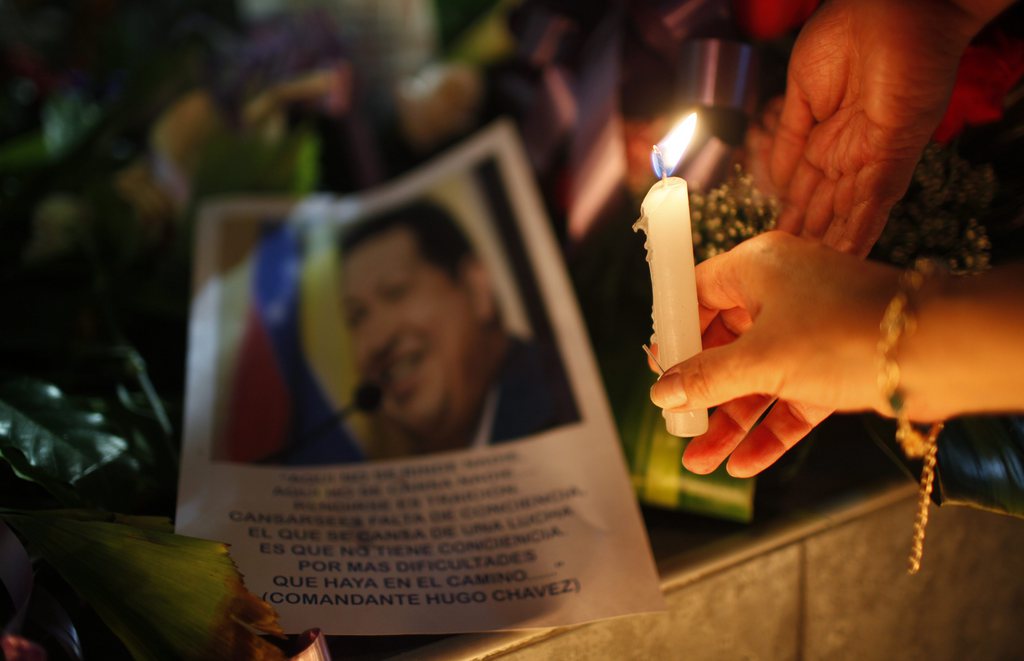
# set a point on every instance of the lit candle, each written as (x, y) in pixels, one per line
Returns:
(665, 218)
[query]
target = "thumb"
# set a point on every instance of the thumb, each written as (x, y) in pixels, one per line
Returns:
(715, 376)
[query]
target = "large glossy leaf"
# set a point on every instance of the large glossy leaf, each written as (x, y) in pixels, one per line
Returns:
(980, 461)
(981, 464)
(166, 596)
(71, 447)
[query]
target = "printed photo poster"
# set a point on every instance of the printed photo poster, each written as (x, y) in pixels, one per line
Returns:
(393, 413)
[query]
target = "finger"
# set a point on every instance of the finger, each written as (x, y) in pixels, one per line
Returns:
(653, 366)
(791, 220)
(706, 316)
(722, 281)
(725, 327)
(722, 327)
(771, 114)
(876, 188)
(758, 139)
(728, 426)
(820, 209)
(717, 334)
(846, 190)
(717, 375)
(805, 181)
(842, 225)
(794, 126)
(737, 320)
(781, 429)
(849, 238)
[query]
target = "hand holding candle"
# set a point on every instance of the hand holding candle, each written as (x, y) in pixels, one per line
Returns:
(665, 218)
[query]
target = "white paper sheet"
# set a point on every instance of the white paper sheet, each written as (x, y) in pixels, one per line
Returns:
(537, 530)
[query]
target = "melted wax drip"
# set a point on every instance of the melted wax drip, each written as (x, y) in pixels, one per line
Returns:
(641, 226)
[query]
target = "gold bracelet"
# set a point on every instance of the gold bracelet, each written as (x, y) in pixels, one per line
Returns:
(897, 322)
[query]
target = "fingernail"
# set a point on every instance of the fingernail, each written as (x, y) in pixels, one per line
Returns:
(696, 466)
(667, 392)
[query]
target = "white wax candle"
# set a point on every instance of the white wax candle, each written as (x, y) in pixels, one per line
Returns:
(665, 218)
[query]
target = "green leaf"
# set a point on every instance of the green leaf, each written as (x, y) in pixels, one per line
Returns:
(23, 153)
(234, 162)
(166, 596)
(981, 464)
(158, 523)
(71, 447)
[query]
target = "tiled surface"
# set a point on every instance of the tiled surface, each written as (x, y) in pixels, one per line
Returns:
(747, 612)
(966, 603)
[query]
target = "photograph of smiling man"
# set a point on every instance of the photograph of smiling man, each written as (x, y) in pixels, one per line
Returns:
(427, 331)
(410, 328)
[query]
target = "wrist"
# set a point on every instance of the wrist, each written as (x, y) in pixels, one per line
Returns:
(965, 356)
(920, 347)
(969, 17)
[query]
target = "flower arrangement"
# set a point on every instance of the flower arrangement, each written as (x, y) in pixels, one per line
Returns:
(730, 213)
(938, 217)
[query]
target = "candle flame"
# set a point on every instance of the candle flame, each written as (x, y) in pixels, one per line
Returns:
(667, 154)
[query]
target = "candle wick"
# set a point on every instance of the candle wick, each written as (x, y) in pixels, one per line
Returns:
(659, 159)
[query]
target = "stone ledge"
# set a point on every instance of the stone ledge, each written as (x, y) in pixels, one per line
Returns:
(828, 584)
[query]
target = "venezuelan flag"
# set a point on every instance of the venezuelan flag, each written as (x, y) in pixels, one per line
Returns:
(291, 371)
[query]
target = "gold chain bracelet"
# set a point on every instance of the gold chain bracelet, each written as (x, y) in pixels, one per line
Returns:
(898, 322)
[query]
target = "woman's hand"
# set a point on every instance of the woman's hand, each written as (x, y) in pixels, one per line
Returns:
(782, 318)
(868, 82)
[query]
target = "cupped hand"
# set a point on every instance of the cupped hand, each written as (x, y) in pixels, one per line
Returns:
(782, 318)
(868, 83)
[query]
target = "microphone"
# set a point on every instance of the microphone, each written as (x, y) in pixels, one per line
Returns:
(366, 398)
